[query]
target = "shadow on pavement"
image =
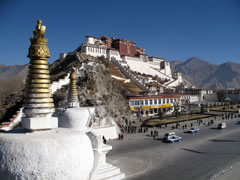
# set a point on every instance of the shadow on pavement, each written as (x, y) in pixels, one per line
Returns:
(216, 153)
(191, 150)
(215, 128)
(223, 140)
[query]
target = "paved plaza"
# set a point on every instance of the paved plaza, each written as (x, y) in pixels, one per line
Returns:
(198, 156)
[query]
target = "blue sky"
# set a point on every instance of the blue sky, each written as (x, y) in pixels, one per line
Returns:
(172, 29)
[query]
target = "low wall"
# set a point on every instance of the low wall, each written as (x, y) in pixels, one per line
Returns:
(109, 132)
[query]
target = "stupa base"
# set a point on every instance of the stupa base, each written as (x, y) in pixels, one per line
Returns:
(40, 123)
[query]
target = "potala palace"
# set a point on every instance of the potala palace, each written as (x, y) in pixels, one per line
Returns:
(127, 55)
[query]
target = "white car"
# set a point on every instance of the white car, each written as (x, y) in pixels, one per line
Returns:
(171, 137)
(222, 126)
(193, 130)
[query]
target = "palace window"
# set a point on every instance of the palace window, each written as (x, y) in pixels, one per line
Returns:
(159, 101)
(163, 101)
(171, 100)
(141, 102)
(136, 103)
(146, 102)
(151, 102)
(155, 101)
(167, 101)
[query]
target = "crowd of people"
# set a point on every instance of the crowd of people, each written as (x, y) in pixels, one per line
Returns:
(135, 129)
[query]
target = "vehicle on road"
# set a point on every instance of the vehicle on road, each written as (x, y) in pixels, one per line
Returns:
(192, 130)
(222, 126)
(171, 137)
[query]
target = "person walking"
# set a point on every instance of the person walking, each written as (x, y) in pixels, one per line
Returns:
(104, 140)
(122, 136)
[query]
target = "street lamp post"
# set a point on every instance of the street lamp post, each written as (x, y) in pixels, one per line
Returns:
(227, 100)
(188, 103)
(176, 110)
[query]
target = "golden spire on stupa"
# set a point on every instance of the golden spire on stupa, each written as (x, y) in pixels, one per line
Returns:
(38, 101)
(73, 93)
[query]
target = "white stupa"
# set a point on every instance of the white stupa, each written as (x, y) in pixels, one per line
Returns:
(75, 117)
(40, 150)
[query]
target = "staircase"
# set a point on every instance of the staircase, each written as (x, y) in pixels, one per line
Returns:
(109, 172)
(13, 122)
(104, 170)
(128, 75)
(60, 83)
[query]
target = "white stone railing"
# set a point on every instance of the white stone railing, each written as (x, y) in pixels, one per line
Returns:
(14, 121)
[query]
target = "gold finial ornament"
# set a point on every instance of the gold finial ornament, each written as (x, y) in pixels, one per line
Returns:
(73, 93)
(38, 100)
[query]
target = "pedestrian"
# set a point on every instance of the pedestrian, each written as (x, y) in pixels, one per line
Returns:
(119, 136)
(104, 140)
(151, 133)
(191, 125)
(122, 136)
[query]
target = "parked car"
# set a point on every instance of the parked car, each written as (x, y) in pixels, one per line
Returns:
(222, 126)
(171, 137)
(193, 130)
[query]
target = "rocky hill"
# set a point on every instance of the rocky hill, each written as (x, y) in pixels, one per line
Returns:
(9, 72)
(12, 84)
(202, 74)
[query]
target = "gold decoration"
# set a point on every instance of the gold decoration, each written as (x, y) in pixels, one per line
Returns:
(39, 62)
(38, 66)
(39, 85)
(38, 48)
(38, 100)
(37, 71)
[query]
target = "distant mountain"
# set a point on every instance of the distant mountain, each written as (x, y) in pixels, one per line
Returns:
(9, 72)
(202, 74)
(175, 63)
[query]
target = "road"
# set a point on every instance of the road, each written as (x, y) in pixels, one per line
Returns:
(198, 156)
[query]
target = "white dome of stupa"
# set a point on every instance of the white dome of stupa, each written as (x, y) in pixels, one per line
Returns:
(54, 154)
